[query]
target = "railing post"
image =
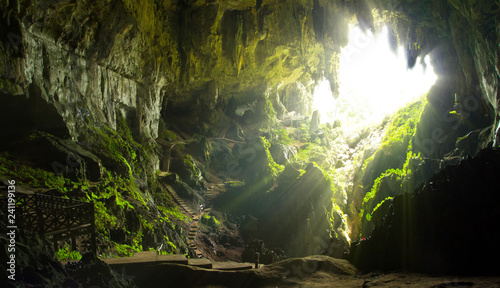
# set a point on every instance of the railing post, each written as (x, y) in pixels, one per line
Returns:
(67, 215)
(39, 215)
(92, 225)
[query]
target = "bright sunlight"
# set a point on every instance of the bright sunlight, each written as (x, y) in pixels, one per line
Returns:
(374, 81)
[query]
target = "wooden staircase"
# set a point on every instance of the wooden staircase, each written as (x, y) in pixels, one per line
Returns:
(213, 189)
(193, 229)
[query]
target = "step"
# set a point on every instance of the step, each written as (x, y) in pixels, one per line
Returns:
(198, 253)
(231, 266)
(147, 258)
(200, 262)
(145, 254)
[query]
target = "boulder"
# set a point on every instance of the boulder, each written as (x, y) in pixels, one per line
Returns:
(62, 156)
(315, 122)
(266, 256)
(282, 154)
(444, 227)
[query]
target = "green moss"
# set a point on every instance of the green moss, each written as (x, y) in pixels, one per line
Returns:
(7, 86)
(103, 220)
(302, 133)
(65, 254)
(124, 250)
(395, 145)
(234, 184)
(172, 213)
(189, 162)
(380, 204)
(120, 152)
(115, 192)
(170, 243)
(309, 151)
(273, 168)
(283, 136)
(389, 166)
(271, 113)
(33, 177)
(337, 225)
(212, 219)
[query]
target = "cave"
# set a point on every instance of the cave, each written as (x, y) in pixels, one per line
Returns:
(340, 143)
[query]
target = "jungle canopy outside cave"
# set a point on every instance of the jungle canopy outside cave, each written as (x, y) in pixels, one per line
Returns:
(375, 81)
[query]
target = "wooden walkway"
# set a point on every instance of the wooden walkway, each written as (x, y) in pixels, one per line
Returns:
(55, 217)
(152, 258)
(193, 229)
(212, 191)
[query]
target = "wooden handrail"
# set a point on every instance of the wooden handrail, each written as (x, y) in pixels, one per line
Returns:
(59, 217)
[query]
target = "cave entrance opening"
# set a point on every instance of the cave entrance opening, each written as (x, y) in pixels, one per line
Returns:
(374, 81)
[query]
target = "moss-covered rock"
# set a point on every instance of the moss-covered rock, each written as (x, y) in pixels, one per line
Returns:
(444, 227)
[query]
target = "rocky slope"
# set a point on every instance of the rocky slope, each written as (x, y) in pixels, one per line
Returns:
(443, 227)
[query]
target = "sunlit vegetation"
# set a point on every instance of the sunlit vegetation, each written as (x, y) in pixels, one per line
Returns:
(212, 223)
(33, 177)
(124, 250)
(341, 153)
(120, 152)
(273, 168)
(66, 254)
(128, 183)
(385, 172)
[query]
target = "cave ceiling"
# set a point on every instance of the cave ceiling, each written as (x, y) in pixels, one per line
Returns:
(92, 57)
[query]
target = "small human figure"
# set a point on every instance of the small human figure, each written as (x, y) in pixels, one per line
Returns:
(201, 208)
(271, 257)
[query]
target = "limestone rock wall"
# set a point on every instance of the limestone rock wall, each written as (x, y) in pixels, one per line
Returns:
(89, 59)
(462, 39)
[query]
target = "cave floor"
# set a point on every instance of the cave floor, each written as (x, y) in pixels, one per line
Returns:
(311, 271)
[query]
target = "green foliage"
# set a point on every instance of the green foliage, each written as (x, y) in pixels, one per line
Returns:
(302, 133)
(171, 212)
(65, 254)
(283, 135)
(395, 145)
(124, 250)
(380, 204)
(103, 219)
(273, 168)
(189, 162)
(234, 183)
(390, 165)
(33, 177)
(309, 152)
(171, 244)
(119, 150)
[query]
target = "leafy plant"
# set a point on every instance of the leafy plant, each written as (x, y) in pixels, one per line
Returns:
(66, 254)
(389, 166)
(273, 168)
(33, 177)
(125, 250)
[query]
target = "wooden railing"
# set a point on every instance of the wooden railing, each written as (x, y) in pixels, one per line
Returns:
(55, 217)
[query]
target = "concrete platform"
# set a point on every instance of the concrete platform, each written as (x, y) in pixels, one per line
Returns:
(147, 257)
(142, 260)
(201, 263)
(232, 266)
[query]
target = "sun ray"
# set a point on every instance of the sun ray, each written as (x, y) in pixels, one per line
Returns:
(374, 81)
